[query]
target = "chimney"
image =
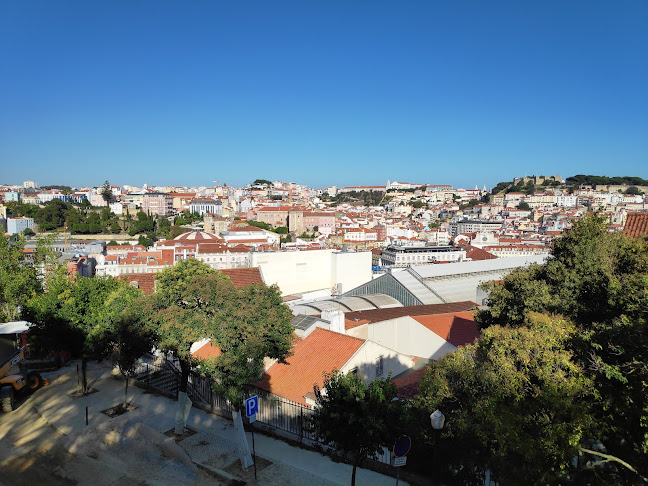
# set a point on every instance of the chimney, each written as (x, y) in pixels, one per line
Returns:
(336, 319)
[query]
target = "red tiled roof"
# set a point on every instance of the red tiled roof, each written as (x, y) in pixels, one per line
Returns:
(242, 277)
(212, 248)
(377, 315)
(208, 350)
(321, 352)
(477, 253)
(458, 328)
(408, 386)
(145, 281)
(636, 224)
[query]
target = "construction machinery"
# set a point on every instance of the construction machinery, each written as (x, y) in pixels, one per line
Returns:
(13, 382)
(17, 376)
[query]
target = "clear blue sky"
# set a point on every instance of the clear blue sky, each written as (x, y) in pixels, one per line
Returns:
(321, 92)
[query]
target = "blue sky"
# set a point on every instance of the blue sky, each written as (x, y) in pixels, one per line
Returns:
(321, 92)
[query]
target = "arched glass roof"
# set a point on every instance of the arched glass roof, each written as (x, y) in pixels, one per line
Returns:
(346, 304)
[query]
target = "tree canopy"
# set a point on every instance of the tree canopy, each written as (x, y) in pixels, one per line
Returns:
(78, 315)
(248, 325)
(107, 193)
(599, 281)
(193, 302)
(604, 180)
(516, 397)
(356, 416)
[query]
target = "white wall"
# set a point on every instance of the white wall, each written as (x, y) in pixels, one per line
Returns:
(406, 336)
(307, 271)
(367, 356)
(351, 269)
(295, 271)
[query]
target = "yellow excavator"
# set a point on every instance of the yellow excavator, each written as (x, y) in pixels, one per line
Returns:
(13, 382)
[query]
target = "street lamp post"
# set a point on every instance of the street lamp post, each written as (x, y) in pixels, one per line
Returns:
(437, 419)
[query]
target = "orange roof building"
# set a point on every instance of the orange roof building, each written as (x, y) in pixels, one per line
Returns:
(321, 352)
(636, 224)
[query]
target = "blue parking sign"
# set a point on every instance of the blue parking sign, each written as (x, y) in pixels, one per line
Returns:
(252, 406)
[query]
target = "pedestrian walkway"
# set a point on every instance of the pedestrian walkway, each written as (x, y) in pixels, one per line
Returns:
(133, 447)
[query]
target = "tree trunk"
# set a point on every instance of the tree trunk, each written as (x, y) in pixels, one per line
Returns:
(84, 376)
(125, 391)
(356, 461)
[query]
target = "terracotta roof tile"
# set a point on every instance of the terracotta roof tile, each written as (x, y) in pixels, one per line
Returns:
(242, 277)
(208, 350)
(321, 352)
(408, 386)
(477, 253)
(636, 224)
(145, 281)
(377, 315)
(458, 328)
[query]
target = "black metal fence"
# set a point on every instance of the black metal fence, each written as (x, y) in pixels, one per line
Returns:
(282, 414)
(163, 373)
(275, 413)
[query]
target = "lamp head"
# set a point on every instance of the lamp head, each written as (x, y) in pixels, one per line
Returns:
(437, 419)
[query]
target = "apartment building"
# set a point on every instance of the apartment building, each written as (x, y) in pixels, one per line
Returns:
(206, 205)
(404, 256)
(158, 203)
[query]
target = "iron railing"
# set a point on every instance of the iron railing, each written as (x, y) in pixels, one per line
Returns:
(276, 413)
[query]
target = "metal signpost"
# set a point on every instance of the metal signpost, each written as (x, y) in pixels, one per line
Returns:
(251, 409)
(401, 448)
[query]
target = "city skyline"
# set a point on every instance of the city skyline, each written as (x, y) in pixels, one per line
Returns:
(342, 94)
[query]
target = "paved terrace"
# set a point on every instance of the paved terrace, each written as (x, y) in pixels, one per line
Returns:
(46, 441)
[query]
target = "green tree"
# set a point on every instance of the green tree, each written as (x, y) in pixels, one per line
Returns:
(524, 205)
(106, 193)
(163, 227)
(106, 214)
(633, 190)
(73, 315)
(260, 224)
(18, 278)
(515, 398)
(146, 241)
(143, 224)
(248, 325)
(126, 335)
(599, 281)
(52, 215)
(357, 417)
(262, 181)
(177, 312)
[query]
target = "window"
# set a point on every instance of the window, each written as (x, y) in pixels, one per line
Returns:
(379, 366)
